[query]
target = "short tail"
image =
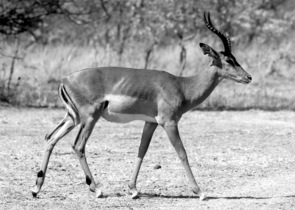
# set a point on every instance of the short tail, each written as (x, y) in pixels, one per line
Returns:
(68, 102)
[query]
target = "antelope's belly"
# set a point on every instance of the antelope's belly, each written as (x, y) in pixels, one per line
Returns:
(124, 109)
(125, 118)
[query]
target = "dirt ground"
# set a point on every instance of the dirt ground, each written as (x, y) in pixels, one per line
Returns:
(242, 160)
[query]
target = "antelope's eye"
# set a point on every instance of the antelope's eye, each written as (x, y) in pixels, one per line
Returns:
(231, 62)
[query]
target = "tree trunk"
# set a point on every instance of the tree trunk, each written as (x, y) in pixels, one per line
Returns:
(12, 65)
(148, 53)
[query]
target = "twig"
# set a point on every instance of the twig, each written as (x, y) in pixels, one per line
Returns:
(10, 56)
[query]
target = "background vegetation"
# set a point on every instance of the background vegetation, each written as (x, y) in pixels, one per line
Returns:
(43, 40)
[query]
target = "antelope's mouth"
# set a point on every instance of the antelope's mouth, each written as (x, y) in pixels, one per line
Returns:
(245, 81)
(241, 80)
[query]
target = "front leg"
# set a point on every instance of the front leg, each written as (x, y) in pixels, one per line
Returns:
(174, 137)
(147, 134)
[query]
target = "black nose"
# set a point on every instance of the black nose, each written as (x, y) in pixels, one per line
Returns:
(249, 77)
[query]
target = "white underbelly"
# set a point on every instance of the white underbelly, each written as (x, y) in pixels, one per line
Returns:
(126, 118)
(118, 109)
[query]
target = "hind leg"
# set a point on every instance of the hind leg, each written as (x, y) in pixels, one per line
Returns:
(79, 147)
(60, 131)
(48, 136)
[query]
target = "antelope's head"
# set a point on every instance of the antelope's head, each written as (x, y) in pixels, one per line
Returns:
(226, 63)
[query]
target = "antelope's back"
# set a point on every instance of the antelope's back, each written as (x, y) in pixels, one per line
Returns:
(94, 84)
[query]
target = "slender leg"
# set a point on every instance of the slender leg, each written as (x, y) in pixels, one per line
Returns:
(48, 136)
(79, 147)
(174, 137)
(147, 134)
(67, 126)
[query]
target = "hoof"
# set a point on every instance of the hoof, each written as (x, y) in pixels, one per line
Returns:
(135, 195)
(98, 193)
(202, 196)
(35, 192)
(133, 192)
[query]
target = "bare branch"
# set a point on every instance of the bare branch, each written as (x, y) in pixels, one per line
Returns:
(102, 3)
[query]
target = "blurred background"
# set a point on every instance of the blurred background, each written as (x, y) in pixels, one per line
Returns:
(43, 40)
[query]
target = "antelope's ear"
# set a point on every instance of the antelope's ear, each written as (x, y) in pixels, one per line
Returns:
(207, 50)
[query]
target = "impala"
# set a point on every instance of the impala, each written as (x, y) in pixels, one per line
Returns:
(122, 95)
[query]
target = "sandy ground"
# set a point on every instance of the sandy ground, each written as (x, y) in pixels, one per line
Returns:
(242, 160)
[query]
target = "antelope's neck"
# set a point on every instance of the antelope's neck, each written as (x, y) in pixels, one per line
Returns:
(197, 88)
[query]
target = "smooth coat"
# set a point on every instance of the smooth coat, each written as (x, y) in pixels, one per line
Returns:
(136, 94)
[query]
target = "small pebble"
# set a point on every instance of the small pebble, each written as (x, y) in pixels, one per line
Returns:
(157, 166)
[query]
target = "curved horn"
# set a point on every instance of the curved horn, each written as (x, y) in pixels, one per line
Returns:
(225, 39)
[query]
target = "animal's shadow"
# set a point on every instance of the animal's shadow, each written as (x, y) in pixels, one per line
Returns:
(150, 195)
(208, 198)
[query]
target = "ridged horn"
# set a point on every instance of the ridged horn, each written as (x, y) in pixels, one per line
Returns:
(225, 39)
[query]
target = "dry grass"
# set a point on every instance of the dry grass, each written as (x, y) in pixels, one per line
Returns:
(272, 68)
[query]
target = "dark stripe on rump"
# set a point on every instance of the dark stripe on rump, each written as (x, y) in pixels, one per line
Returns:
(106, 104)
(67, 99)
